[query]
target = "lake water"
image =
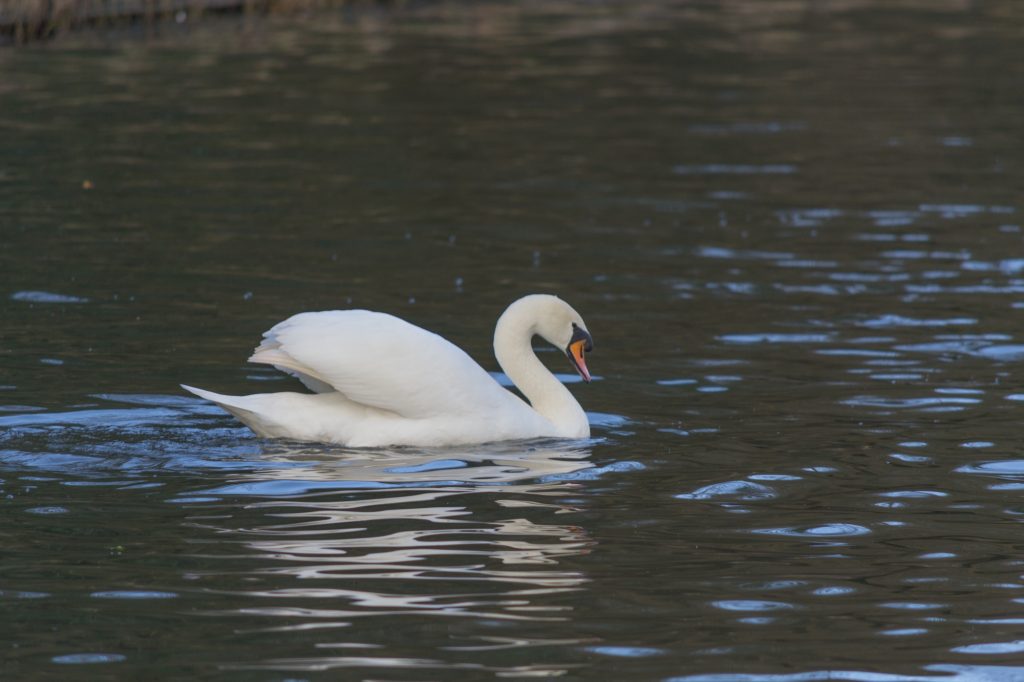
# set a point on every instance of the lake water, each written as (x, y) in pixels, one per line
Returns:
(793, 228)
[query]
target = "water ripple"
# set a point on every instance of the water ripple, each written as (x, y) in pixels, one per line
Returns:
(46, 297)
(735, 169)
(625, 651)
(812, 532)
(133, 594)
(1010, 468)
(944, 673)
(750, 605)
(908, 403)
(886, 321)
(80, 659)
(736, 490)
(775, 338)
(912, 606)
(1013, 647)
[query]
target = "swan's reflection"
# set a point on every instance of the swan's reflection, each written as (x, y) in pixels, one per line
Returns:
(394, 532)
(403, 558)
(494, 464)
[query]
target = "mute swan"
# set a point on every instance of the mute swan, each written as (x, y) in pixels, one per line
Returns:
(379, 380)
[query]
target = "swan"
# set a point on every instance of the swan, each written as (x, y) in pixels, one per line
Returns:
(378, 380)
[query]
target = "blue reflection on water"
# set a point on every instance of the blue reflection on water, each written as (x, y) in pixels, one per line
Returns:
(943, 673)
(735, 169)
(1014, 647)
(77, 659)
(736, 490)
(46, 297)
(776, 338)
(133, 594)
(174, 433)
(751, 605)
(434, 465)
(813, 532)
(1013, 468)
(627, 651)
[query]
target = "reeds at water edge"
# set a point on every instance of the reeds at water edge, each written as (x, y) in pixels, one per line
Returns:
(23, 21)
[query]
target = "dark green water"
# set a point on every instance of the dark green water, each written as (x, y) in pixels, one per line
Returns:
(794, 229)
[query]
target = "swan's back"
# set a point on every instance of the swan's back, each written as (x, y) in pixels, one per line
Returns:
(380, 361)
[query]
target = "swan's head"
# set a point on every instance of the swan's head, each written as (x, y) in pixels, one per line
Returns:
(579, 343)
(556, 322)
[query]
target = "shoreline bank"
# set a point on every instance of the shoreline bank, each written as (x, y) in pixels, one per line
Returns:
(26, 21)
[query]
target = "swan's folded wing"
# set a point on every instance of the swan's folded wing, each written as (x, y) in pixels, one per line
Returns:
(381, 361)
(271, 354)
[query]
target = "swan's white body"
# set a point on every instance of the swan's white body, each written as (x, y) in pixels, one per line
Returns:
(379, 380)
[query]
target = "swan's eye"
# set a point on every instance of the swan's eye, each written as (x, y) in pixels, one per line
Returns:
(579, 334)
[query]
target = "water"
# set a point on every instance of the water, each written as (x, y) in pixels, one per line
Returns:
(794, 230)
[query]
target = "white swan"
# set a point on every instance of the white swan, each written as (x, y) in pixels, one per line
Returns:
(379, 380)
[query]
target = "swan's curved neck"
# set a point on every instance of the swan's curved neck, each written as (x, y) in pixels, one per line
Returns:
(513, 349)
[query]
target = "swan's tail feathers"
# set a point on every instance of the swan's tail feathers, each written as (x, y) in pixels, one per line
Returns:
(234, 404)
(205, 395)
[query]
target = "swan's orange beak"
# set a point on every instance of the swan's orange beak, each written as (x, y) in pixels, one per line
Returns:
(581, 343)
